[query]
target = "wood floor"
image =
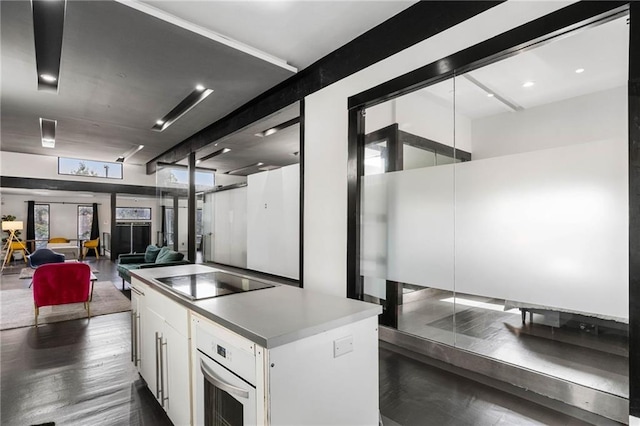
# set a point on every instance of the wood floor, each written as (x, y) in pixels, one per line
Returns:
(79, 373)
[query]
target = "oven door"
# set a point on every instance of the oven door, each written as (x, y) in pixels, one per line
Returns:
(222, 397)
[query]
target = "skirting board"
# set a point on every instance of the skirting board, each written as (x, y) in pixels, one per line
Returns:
(493, 372)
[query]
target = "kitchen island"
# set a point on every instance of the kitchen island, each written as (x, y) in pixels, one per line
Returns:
(299, 357)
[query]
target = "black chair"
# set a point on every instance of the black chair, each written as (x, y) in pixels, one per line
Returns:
(43, 256)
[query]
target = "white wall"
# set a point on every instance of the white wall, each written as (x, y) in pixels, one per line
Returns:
(230, 227)
(46, 167)
(273, 212)
(224, 180)
(326, 128)
(63, 218)
(592, 117)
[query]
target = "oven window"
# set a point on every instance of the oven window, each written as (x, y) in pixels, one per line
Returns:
(221, 409)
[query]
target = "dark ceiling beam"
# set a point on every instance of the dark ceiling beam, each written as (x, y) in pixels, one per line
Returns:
(80, 186)
(416, 23)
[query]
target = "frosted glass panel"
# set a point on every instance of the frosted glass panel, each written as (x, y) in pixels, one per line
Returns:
(420, 235)
(374, 222)
(548, 227)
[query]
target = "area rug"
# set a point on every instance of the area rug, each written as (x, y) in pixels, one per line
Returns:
(17, 307)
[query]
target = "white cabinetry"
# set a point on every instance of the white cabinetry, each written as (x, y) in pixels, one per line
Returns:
(164, 344)
(329, 378)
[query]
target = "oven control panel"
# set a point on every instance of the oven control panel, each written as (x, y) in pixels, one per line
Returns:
(228, 349)
(221, 351)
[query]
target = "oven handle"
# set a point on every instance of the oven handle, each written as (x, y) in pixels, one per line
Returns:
(211, 378)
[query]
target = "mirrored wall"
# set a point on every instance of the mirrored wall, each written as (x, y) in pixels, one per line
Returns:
(494, 209)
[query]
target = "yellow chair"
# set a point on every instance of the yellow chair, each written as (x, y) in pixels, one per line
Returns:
(59, 240)
(90, 245)
(17, 246)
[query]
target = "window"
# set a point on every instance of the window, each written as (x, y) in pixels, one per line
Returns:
(42, 225)
(133, 213)
(78, 167)
(85, 217)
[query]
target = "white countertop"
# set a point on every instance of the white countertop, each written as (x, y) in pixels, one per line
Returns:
(270, 317)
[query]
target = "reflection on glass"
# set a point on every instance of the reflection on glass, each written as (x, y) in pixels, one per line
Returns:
(525, 204)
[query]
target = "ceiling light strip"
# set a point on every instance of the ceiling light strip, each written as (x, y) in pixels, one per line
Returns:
(279, 127)
(512, 105)
(123, 157)
(215, 154)
(48, 25)
(230, 172)
(212, 35)
(48, 132)
(198, 95)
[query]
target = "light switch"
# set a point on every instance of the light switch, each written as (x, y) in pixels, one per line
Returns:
(342, 346)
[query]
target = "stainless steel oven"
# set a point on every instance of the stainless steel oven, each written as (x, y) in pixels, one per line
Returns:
(225, 378)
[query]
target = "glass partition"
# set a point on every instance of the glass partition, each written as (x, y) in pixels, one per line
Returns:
(497, 203)
(251, 218)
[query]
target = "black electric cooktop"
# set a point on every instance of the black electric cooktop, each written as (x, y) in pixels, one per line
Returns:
(211, 284)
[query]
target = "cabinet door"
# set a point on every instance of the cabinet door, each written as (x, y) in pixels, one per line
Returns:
(176, 385)
(152, 327)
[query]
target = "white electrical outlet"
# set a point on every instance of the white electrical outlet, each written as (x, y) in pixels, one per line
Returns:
(342, 346)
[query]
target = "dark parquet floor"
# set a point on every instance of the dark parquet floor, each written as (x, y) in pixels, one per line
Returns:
(79, 373)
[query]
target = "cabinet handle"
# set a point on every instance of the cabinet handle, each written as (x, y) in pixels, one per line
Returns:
(133, 348)
(137, 322)
(162, 389)
(158, 367)
(136, 291)
(210, 376)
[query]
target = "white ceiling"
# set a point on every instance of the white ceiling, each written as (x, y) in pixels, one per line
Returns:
(299, 32)
(602, 51)
(122, 69)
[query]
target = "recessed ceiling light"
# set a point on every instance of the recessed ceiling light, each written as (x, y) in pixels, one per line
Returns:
(48, 25)
(579, 70)
(279, 127)
(123, 157)
(48, 143)
(48, 132)
(215, 154)
(490, 95)
(194, 98)
(528, 84)
(48, 78)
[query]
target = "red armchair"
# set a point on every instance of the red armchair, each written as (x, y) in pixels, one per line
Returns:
(62, 283)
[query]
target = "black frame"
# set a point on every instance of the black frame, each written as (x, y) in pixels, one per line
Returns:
(634, 209)
(577, 15)
(134, 218)
(89, 176)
